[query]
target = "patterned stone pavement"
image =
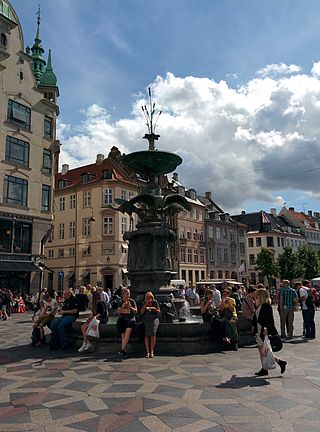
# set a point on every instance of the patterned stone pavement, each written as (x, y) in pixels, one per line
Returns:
(43, 391)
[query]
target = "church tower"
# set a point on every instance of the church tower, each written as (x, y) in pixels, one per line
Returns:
(38, 62)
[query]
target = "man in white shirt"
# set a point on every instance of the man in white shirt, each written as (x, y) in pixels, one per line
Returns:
(192, 296)
(216, 295)
(308, 310)
(103, 296)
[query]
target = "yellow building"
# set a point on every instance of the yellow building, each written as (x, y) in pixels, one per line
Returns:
(28, 153)
(87, 243)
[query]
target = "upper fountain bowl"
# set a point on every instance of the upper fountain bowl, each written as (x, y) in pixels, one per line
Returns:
(152, 162)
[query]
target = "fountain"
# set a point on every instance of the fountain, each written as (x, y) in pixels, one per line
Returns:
(149, 262)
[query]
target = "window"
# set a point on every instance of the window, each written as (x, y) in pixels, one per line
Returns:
(107, 249)
(225, 255)
(123, 225)
(87, 251)
(220, 274)
(61, 231)
(22, 238)
(62, 184)
(250, 242)
(47, 161)
(46, 196)
(241, 232)
(218, 232)
(270, 242)
(200, 215)
(50, 253)
(211, 254)
(108, 225)
(182, 232)
(194, 214)
(86, 177)
(107, 196)
(183, 254)
(17, 151)
(195, 234)
(232, 237)
(253, 278)
(72, 229)
(62, 203)
(3, 40)
(131, 195)
(219, 254)
(48, 122)
(282, 242)
(60, 253)
(258, 242)
(189, 253)
(252, 260)
(123, 194)
(233, 255)
(86, 199)
(71, 251)
(189, 233)
(278, 241)
(19, 115)
(73, 201)
(107, 175)
(86, 228)
(242, 248)
(15, 191)
(201, 256)
(210, 231)
(51, 236)
(195, 256)
(224, 233)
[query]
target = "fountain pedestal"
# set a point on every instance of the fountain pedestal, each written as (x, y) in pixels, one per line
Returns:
(149, 261)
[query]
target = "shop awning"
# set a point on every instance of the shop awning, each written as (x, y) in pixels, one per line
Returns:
(18, 266)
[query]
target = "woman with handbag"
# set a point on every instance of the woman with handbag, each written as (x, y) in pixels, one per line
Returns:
(150, 312)
(127, 310)
(263, 324)
(99, 314)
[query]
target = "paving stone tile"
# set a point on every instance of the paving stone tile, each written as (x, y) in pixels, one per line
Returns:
(233, 410)
(170, 391)
(89, 425)
(278, 403)
(123, 388)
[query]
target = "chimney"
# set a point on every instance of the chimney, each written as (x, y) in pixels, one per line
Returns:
(316, 214)
(175, 176)
(100, 158)
(273, 211)
(65, 169)
(208, 195)
(310, 213)
(243, 212)
(291, 208)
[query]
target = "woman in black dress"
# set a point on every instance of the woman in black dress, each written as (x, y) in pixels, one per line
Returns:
(263, 324)
(150, 312)
(127, 309)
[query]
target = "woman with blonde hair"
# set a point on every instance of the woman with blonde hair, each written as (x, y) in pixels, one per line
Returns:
(127, 310)
(263, 324)
(150, 312)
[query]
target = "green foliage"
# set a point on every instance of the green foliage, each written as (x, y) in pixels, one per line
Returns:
(289, 264)
(309, 261)
(267, 264)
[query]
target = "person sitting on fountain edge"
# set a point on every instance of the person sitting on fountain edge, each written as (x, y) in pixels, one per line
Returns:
(150, 312)
(228, 311)
(192, 296)
(210, 314)
(127, 309)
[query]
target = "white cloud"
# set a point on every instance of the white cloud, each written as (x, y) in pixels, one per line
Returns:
(239, 143)
(279, 69)
(316, 69)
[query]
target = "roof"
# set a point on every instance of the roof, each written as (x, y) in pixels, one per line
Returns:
(7, 10)
(48, 77)
(309, 221)
(73, 176)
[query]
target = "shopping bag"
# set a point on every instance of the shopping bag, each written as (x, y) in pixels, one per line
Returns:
(93, 329)
(268, 360)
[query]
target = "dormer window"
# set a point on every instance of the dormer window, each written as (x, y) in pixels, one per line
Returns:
(181, 191)
(86, 177)
(3, 40)
(107, 175)
(62, 184)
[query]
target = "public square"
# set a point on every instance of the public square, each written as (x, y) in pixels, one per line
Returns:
(44, 391)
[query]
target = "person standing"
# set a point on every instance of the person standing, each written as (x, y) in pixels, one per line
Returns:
(287, 303)
(248, 304)
(150, 312)
(308, 309)
(263, 324)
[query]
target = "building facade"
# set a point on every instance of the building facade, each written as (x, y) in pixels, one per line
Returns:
(87, 244)
(28, 153)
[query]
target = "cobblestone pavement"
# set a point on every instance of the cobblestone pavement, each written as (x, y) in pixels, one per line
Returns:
(41, 391)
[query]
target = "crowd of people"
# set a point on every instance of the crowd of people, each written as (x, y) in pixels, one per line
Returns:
(219, 307)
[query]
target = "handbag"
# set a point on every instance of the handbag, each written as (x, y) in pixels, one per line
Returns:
(93, 329)
(275, 342)
(268, 360)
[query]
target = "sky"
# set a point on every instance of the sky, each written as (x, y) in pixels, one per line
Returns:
(238, 83)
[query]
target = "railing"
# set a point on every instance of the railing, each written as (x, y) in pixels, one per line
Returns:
(14, 257)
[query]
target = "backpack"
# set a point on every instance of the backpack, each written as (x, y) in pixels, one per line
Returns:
(310, 299)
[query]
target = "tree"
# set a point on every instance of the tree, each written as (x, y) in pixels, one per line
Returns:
(309, 261)
(267, 264)
(289, 264)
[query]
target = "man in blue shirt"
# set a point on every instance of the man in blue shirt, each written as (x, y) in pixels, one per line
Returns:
(288, 301)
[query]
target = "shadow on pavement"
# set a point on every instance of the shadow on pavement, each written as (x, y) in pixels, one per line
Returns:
(236, 382)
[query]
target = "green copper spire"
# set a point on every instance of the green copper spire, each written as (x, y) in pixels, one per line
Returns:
(38, 62)
(48, 78)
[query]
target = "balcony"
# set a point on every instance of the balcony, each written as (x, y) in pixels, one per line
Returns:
(14, 257)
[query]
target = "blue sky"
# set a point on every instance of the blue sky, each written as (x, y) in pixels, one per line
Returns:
(106, 52)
